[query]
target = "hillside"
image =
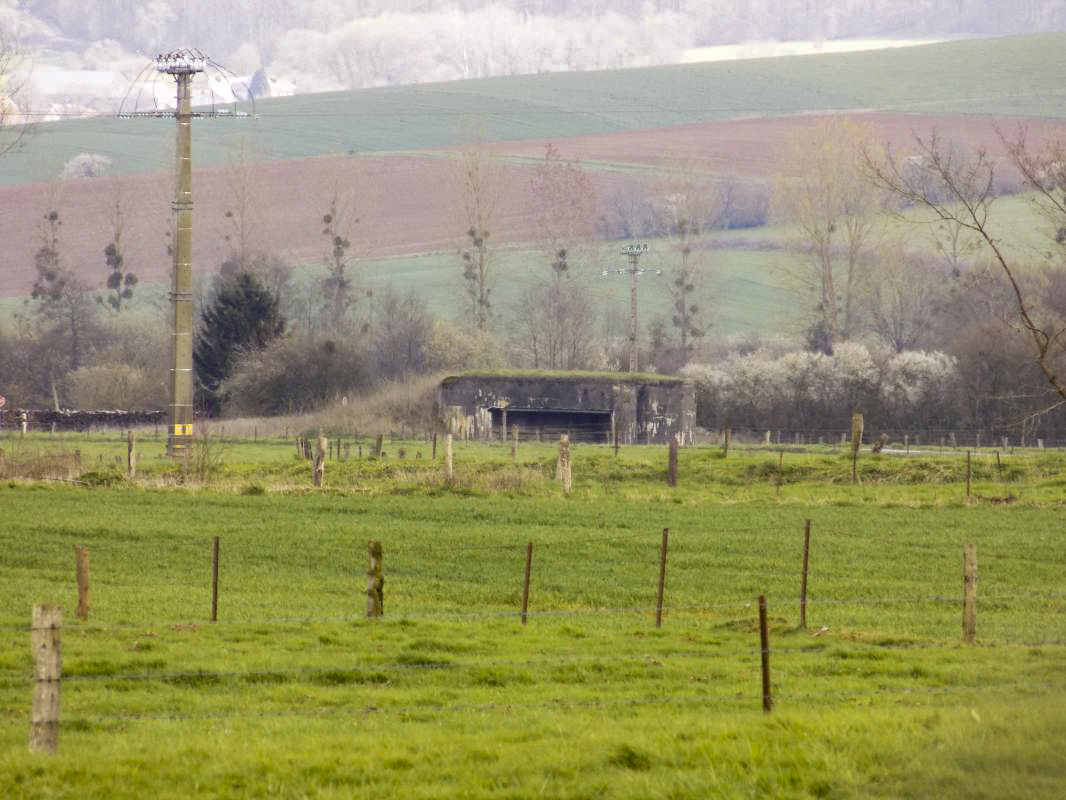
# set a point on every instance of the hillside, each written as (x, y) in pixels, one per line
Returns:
(1018, 76)
(402, 164)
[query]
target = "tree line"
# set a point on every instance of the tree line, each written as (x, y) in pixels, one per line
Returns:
(358, 43)
(912, 300)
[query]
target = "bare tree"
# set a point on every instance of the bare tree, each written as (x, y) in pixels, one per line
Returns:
(479, 188)
(690, 209)
(337, 285)
(554, 328)
(905, 299)
(120, 281)
(960, 190)
(242, 214)
(14, 80)
(824, 191)
(63, 305)
(244, 221)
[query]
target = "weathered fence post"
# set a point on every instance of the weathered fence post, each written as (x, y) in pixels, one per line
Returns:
(514, 442)
(379, 445)
(47, 673)
(671, 467)
(614, 433)
(803, 582)
(662, 579)
(726, 436)
(375, 583)
(319, 470)
(525, 584)
(131, 455)
(81, 563)
(764, 645)
(449, 466)
(434, 446)
(214, 579)
(969, 474)
(563, 472)
(969, 584)
(856, 444)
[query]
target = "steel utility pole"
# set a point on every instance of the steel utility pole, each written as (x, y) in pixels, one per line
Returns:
(634, 252)
(183, 65)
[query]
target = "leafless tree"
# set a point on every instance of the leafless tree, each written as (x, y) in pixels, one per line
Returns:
(690, 207)
(944, 185)
(905, 297)
(554, 327)
(14, 79)
(479, 187)
(120, 281)
(337, 224)
(824, 192)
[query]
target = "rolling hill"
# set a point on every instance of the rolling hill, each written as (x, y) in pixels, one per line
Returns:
(396, 147)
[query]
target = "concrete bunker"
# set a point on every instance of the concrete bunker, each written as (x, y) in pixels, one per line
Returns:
(588, 406)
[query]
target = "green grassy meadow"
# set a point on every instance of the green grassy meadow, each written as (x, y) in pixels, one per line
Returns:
(293, 693)
(972, 77)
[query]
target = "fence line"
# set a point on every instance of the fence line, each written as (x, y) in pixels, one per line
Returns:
(688, 701)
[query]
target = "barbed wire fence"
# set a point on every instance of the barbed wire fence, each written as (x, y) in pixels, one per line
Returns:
(789, 685)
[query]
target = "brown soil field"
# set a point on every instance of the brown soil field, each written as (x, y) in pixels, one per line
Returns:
(753, 149)
(405, 203)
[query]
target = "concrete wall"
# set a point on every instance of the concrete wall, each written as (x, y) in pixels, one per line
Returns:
(644, 410)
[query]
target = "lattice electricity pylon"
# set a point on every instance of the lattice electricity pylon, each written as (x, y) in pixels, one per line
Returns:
(183, 66)
(634, 252)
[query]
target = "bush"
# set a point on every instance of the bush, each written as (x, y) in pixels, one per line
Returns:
(118, 386)
(296, 374)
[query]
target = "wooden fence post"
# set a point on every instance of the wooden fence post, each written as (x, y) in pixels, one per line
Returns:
(671, 468)
(969, 583)
(856, 444)
(563, 471)
(525, 585)
(969, 474)
(514, 442)
(434, 446)
(375, 583)
(662, 579)
(449, 466)
(47, 673)
(803, 582)
(726, 436)
(318, 472)
(131, 455)
(379, 445)
(81, 562)
(764, 644)
(214, 579)
(614, 434)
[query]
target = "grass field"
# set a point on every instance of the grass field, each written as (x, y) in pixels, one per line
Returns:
(1015, 76)
(294, 694)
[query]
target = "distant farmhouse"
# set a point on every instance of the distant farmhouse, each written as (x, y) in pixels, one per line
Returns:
(588, 406)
